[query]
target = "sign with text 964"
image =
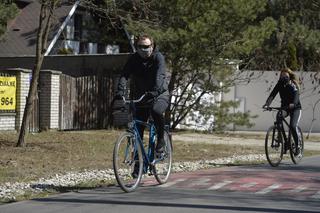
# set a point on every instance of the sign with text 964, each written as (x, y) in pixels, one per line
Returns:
(7, 93)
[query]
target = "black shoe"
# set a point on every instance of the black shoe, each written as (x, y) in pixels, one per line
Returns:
(135, 172)
(297, 151)
(160, 146)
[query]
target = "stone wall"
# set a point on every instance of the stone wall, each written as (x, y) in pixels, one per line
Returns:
(49, 99)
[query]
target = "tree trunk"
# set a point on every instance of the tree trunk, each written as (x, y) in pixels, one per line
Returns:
(42, 36)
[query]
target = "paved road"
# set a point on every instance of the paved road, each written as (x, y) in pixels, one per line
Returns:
(288, 188)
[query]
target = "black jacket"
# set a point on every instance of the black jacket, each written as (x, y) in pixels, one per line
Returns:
(289, 94)
(148, 75)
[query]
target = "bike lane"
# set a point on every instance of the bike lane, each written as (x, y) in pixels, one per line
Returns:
(258, 180)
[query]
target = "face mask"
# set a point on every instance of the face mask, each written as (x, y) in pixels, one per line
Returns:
(284, 79)
(145, 52)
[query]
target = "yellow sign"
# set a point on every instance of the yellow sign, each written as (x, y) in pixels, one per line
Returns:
(8, 87)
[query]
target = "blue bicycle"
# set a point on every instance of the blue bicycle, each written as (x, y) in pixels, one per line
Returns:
(131, 155)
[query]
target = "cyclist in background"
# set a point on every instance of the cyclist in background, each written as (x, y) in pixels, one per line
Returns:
(146, 68)
(288, 88)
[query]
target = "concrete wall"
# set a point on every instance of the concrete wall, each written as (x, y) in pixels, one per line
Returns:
(254, 94)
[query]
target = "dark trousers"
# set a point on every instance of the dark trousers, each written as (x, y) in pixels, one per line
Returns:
(294, 121)
(156, 109)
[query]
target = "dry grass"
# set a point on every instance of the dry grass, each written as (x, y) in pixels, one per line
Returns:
(205, 151)
(49, 153)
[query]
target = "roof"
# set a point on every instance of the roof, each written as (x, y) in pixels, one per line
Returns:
(20, 38)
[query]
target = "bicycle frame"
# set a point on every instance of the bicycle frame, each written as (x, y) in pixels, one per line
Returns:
(281, 127)
(148, 156)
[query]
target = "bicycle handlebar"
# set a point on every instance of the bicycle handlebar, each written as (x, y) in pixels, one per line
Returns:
(133, 101)
(274, 108)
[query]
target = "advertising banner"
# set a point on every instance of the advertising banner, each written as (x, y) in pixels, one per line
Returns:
(8, 86)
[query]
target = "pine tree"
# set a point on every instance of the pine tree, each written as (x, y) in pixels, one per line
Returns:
(7, 12)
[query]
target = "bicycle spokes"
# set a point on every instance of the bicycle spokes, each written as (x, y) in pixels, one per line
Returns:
(162, 163)
(127, 162)
(274, 146)
(296, 150)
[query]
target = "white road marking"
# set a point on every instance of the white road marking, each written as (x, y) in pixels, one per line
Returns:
(171, 183)
(248, 185)
(316, 195)
(201, 182)
(298, 189)
(220, 185)
(268, 189)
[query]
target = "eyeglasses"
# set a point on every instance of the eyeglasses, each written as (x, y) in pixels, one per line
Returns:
(141, 46)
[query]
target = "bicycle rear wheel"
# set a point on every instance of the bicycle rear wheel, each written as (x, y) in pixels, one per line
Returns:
(296, 152)
(274, 146)
(162, 167)
(127, 157)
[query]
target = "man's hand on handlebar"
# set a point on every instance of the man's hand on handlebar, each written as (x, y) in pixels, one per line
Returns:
(151, 94)
(119, 95)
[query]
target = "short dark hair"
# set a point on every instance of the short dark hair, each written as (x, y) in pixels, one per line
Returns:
(143, 37)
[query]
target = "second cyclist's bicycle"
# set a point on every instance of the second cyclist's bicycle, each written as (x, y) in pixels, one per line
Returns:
(132, 158)
(278, 142)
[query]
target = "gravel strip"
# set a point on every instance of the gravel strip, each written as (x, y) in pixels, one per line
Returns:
(9, 191)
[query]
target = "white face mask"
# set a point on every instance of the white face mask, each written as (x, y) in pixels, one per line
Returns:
(145, 52)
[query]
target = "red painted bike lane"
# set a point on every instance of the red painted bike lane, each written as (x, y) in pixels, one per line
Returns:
(255, 180)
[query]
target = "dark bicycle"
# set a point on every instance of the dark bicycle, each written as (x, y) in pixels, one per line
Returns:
(131, 155)
(278, 142)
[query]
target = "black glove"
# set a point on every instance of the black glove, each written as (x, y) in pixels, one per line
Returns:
(148, 98)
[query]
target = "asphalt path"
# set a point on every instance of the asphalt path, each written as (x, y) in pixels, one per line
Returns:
(288, 188)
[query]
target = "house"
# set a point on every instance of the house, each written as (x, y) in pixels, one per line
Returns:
(78, 72)
(74, 31)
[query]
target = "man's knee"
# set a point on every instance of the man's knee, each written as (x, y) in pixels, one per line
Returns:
(160, 107)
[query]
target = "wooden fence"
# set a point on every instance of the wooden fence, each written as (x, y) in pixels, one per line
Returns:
(85, 102)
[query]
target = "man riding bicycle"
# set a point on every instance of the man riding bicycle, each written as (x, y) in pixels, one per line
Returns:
(146, 68)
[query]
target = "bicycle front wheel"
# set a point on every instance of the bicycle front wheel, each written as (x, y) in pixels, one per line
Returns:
(162, 167)
(127, 162)
(296, 152)
(274, 146)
